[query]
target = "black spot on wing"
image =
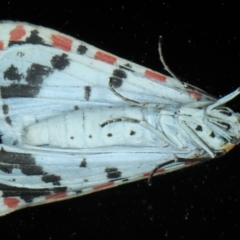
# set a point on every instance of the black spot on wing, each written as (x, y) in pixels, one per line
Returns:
(8, 120)
(82, 49)
(60, 62)
(212, 135)
(36, 74)
(7, 168)
(83, 163)
(12, 73)
(119, 73)
(127, 67)
(28, 194)
(199, 128)
(109, 134)
(25, 162)
(34, 38)
(132, 133)
(117, 78)
(19, 91)
(31, 169)
(51, 178)
(113, 172)
(5, 108)
(87, 92)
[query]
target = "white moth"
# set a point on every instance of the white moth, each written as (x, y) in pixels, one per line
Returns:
(75, 119)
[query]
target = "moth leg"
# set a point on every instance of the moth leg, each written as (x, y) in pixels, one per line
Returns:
(165, 121)
(125, 99)
(194, 136)
(160, 166)
(215, 123)
(176, 159)
(142, 123)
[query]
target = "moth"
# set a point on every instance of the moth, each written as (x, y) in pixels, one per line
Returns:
(75, 119)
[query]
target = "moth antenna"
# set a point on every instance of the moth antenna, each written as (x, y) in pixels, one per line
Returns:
(223, 100)
(163, 61)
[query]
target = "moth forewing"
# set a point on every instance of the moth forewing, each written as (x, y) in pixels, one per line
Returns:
(76, 119)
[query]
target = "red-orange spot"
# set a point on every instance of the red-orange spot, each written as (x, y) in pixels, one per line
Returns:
(1, 45)
(62, 42)
(155, 75)
(105, 57)
(11, 202)
(56, 195)
(104, 185)
(17, 33)
(161, 170)
(195, 95)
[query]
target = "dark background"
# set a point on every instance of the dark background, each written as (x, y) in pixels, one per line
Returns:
(202, 46)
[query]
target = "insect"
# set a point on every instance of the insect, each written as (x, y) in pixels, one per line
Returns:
(75, 119)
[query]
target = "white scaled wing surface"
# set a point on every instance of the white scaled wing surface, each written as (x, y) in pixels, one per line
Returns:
(75, 119)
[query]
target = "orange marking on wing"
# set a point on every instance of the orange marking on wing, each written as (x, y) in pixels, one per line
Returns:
(105, 57)
(62, 42)
(11, 202)
(194, 94)
(1, 45)
(17, 33)
(155, 75)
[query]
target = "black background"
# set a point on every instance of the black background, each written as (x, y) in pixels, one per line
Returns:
(202, 46)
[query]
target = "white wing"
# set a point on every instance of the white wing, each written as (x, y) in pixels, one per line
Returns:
(39, 81)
